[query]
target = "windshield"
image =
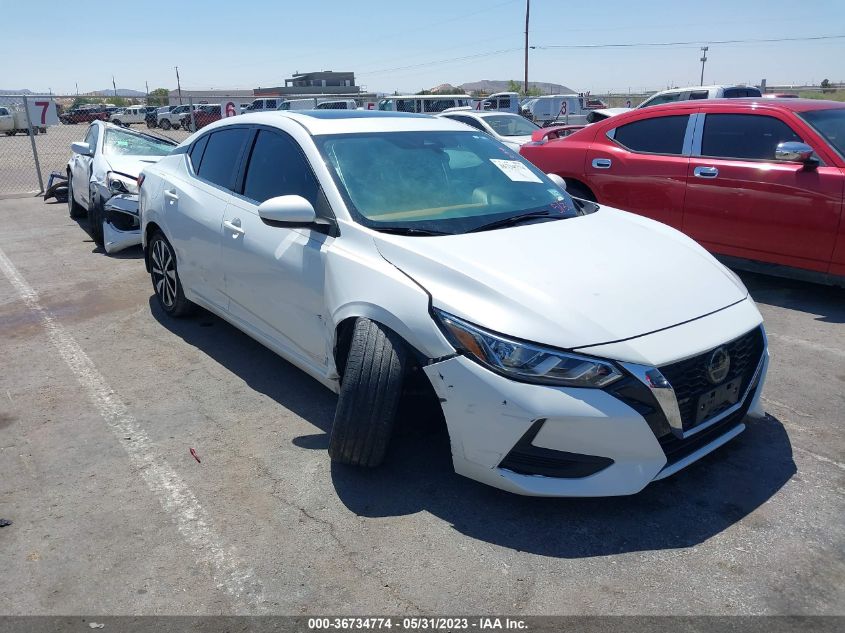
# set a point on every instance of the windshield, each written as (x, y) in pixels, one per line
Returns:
(515, 125)
(444, 182)
(830, 124)
(125, 143)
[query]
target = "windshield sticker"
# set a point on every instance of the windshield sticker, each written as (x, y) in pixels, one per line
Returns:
(515, 170)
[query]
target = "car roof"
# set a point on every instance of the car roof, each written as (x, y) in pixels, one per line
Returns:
(319, 122)
(797, 105)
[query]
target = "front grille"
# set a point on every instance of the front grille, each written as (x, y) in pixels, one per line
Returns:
(689, 377)
(676, 448)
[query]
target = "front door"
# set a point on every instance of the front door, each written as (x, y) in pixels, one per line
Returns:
(80, 169)
(741, 202)
(275, 275)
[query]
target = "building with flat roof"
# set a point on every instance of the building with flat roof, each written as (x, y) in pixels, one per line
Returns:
(325, 82)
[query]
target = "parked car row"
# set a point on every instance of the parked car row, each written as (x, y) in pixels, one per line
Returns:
(385, 254)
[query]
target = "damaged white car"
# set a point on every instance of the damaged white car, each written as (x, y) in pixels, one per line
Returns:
(573, 349)
(102, 177)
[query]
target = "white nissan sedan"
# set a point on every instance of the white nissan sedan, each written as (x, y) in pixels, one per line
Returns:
(575, 350)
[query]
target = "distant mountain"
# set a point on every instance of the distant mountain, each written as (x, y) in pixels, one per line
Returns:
(496, 85)
(22, 91)
(121, 92)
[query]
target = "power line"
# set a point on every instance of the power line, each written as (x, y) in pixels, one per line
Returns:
(694, 42)
(443, 61)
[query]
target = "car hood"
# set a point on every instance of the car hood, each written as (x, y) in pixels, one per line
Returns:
(516, 140)
(587, 280)
(130, 165)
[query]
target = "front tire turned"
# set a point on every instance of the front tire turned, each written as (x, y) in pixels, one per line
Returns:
(369, 395)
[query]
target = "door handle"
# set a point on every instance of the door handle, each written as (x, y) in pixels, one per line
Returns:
(705, 172)
(602, 163)
(171, 194)
(234, 226)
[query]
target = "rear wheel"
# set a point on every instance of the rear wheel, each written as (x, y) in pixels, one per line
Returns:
(369, 395)
(165, 277)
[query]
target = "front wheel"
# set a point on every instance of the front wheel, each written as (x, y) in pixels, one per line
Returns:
(165, 277)
(74, 209)
(369, 395)
(95, 218)
(165, 124)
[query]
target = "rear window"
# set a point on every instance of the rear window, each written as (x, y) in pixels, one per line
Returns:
(220, 160)
(660, 135)
(739, 93)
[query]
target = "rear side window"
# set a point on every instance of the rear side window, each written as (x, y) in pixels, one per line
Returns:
(277, 167)
(661, 99)
(698, 94)
(195, 156)
(220, 160)
(660, 135)
(744, 136)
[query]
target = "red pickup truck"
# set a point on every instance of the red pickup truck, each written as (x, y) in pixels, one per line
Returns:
(760, 183)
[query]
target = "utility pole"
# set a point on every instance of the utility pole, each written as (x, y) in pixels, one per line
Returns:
(703, 60)
(77, 88)
(527, 11)
(147, 85)
(178, 85)
(114, 85)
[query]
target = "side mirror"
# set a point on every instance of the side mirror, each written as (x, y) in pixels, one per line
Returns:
(81, 148)
(560, 182)
(794, 152)
(294, 210)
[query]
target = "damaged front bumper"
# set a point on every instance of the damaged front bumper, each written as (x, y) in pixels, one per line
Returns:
(121, 225)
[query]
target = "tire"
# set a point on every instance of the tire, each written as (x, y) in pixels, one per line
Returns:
(74, 209)
(95, 219)
(117, 122)
(170, 296)
(150, 124)
(369, 396)
(577, 190)
(165, 124)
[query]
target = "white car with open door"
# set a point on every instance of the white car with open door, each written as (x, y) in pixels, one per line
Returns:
(102, 178)
(573, 349)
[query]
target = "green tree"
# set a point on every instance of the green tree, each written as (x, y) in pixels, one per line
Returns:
(826, 85)
(159, 97)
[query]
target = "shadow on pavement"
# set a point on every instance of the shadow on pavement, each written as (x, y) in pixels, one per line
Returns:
(681, 511)
(827, 302)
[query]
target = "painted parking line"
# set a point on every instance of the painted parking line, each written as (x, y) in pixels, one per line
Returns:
(176, 498)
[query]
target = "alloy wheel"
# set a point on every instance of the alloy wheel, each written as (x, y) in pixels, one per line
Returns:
(164, 272)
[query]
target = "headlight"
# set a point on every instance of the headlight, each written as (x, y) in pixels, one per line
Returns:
(524, 361)
(121, 184)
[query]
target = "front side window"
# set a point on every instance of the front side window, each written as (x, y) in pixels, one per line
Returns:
(830, 124)
(91, 136)
(698, 94)
(195, 155)
(744, 136)
(445, 182)
(659, 135)
(221, 156)
(277, 167)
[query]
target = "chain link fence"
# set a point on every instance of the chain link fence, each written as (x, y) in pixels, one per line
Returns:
(36, 131)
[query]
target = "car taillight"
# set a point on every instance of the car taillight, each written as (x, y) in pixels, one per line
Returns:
(140, 180)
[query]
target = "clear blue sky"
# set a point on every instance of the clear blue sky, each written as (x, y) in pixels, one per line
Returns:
(408, 46)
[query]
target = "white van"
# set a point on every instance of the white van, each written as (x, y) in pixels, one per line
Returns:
(424, 103)
(337, 104)
(500, 102)
(567, 109)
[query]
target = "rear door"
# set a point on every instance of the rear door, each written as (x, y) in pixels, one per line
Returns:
(275, 274)
(194, 210)
(641, 166)
(741, 202)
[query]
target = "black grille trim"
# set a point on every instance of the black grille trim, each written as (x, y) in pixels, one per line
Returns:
(527, 459)
(689, 377)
